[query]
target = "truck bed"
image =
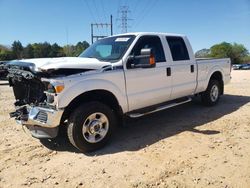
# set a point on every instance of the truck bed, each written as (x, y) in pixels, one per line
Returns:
(206, 67)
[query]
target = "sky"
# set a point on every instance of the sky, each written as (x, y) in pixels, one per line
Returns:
(205, 22)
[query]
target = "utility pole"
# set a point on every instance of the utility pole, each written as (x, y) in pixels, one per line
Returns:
(123, 11)
(97, 25)
(111, 24)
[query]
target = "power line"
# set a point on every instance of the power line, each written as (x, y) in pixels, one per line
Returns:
(103, 10)
(125, 3)
(91, 13)
(142, 11)
(117, 13)
(124, 11)
(101, 25)
(97, 11)
(136, 5)
(146, 11)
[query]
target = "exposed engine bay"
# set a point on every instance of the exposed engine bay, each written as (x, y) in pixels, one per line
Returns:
(29, 89)
(37, 83)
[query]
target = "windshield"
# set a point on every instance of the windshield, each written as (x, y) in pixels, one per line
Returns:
(111, 48)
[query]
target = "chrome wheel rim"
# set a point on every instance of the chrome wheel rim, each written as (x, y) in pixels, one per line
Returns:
(214, 94)
(95, 127)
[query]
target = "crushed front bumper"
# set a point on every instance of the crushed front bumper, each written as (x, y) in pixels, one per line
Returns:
(40, 116)
(42, 122)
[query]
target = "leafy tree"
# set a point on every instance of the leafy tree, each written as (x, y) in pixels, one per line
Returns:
(69, 50)
(202, 53)
(80, 47)
(221, 50)
(56, 51)
(45, 49)
(3, 48)
(28, 51)
(73, 51)
(17, 49)
(6, 55)
(239, 52)
(246, 59)
(37, 50)
(236, 52)
(41, 49)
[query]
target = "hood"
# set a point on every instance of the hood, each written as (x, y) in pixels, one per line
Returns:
(62, 63)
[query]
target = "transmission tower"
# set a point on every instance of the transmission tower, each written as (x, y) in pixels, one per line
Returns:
(123, 13)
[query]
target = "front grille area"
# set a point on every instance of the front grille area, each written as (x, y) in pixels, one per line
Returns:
(28, 88)
(42, 116)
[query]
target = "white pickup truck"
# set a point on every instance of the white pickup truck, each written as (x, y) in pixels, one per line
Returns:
(124, 75)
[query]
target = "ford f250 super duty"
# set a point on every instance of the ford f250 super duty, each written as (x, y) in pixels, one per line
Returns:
(124, 75)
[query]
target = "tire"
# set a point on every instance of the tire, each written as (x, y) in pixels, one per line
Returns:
(91, 126)
(211, 96)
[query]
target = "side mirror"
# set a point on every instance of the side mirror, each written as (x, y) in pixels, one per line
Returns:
(145, 60)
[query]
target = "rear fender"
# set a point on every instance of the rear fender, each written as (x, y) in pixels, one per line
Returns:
(211, 72)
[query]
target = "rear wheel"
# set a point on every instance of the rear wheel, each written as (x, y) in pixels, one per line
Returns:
(91, 126)
(211, 96)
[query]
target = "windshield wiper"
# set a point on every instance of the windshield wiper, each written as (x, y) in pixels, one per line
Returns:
(89, 57)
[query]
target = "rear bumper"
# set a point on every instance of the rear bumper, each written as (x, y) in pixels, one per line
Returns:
(39, 116)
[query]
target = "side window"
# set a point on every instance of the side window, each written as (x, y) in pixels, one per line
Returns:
(153, 42)
(178, 48)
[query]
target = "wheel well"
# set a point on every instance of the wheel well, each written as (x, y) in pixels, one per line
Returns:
(102, 96)
(218, 76)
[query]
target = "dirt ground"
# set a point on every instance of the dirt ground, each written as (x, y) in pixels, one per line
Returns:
(187, 146)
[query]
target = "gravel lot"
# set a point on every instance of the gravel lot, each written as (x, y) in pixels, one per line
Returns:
(187, 146)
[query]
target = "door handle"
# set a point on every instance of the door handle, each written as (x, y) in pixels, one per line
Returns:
(168, 71)
(192, 68)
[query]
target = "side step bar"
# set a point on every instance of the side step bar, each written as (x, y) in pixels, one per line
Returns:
(160, 108)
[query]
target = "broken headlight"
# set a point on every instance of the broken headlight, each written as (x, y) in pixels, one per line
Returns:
(55, 87)
(52, 89)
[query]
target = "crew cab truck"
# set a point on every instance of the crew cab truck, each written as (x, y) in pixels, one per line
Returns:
(131, 74)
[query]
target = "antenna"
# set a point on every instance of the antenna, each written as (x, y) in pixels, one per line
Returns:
(67, 38)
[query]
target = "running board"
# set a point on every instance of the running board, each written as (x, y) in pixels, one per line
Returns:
(160, 108)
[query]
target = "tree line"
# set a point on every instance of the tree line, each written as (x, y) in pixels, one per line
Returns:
(39, 50)
(236, 52)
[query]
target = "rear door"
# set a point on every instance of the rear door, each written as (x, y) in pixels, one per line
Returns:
(148, 86)
(183, 67)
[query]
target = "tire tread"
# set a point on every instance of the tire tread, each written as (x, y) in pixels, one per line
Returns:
(205, 96)
(75, 121)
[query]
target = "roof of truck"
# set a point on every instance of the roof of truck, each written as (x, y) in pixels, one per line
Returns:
(151, 33)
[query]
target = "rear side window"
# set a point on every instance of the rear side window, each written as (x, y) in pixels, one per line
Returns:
(153, 42)
(178, 48)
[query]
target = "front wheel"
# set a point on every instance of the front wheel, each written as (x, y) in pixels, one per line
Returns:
(211, 96)
(91, 126)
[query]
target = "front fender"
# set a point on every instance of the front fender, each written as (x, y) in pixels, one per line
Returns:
(81, 87)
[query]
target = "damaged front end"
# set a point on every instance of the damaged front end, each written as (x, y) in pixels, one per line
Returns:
(27, 86)
(35, 102)
(38, 84)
